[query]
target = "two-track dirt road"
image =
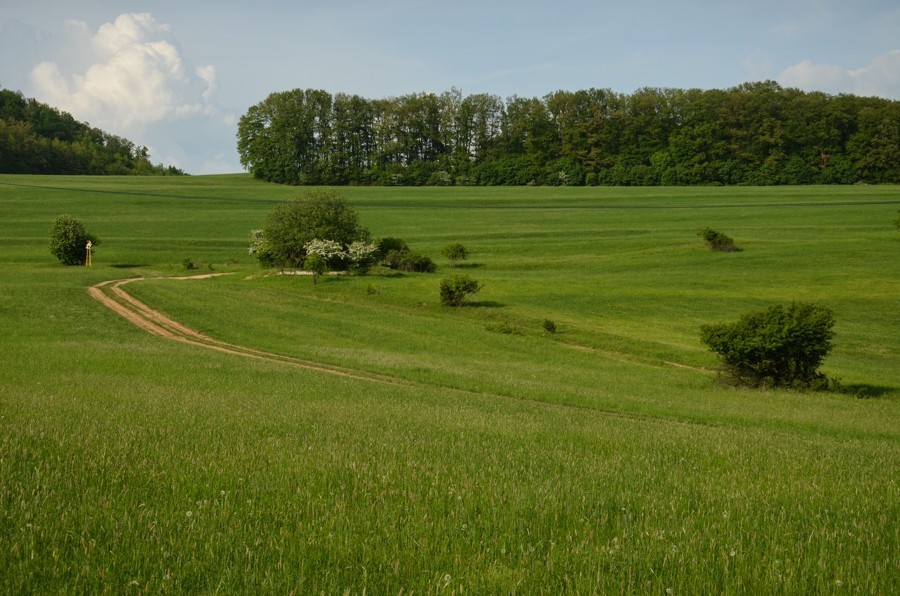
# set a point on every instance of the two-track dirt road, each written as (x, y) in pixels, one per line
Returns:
(112, 295)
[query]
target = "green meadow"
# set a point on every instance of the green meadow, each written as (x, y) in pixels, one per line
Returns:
(474, 452)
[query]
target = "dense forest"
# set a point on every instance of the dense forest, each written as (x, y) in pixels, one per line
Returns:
(756, 133)
(38, 139)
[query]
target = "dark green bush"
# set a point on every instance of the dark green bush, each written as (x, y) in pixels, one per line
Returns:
(68, 240)
(317, 215)
(455, 289)
(549, 326)
(717, 240)
(395, 254)
(412, 262)
(386, 245)
(781, 346)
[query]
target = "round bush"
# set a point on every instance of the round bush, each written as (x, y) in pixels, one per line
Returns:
(781, 346)
(68, 240)
(455, 289)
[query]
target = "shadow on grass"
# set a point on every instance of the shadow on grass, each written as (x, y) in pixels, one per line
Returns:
(864, 390)
(485, 304)
(467, 266)
(128, 265)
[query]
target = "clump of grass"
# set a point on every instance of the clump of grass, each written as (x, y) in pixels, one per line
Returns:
(549, 326)
(504, 327)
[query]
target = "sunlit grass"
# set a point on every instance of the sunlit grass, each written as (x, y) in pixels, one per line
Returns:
(602, 458)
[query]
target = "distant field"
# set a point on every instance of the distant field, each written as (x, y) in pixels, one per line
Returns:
(483, 454)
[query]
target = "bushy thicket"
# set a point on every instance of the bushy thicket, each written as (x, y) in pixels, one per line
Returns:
(781, 346)
(752, 134)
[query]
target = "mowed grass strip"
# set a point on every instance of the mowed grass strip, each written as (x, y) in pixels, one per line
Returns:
(582, 461)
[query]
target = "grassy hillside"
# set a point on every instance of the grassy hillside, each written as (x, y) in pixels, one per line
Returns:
(604, 457)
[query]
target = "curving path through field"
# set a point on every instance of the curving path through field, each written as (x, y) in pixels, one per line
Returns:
(112, 295)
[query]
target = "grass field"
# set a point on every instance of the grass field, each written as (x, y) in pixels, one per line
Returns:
(481, 454)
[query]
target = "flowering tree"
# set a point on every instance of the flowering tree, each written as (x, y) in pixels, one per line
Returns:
(330, 250)
(293, 225)
(361, 255)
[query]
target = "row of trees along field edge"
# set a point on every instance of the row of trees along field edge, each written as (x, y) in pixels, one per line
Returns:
(753, 134)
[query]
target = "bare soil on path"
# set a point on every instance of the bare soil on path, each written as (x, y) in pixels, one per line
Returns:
(112, 295)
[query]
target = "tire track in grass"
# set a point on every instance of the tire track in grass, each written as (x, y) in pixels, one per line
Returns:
(112, 295)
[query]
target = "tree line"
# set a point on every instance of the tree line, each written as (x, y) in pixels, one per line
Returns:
(36, 138)
(755, 134)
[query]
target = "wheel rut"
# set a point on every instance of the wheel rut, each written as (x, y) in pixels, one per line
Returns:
(112, 295)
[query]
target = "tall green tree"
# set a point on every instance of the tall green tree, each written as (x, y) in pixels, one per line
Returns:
(316, 215)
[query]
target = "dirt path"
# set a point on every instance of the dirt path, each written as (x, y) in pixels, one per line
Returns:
(112, 295)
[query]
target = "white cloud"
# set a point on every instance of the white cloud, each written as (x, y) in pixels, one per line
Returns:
(880, 78)
(135, 76)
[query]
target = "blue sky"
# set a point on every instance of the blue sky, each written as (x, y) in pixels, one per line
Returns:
(177, 75)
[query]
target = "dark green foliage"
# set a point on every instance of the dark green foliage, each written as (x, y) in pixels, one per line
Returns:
(38, 139)
(395, 253)
(457, 288)
(412, 262)
(897, 221)
(68, 240)
(549, 326)
(752, 134)
(386, 245)
(781, 346)
(455, 252)
(717, 240)
(189, 264)
(318, 215)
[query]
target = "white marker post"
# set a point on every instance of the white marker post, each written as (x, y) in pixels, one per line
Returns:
(87, 260)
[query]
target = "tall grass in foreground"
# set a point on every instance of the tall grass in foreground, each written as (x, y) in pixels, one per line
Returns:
(509, 462)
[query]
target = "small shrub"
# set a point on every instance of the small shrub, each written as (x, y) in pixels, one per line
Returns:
(68, 240)
(549, 326)
(415, 263)
(777, 347)
(188, 264)
(455, 252)
(395, 254)
(716, 240)
(455, 289)
(317, 265)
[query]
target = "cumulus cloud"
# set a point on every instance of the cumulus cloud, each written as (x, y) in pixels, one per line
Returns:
(880, 78)
(132, 75)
